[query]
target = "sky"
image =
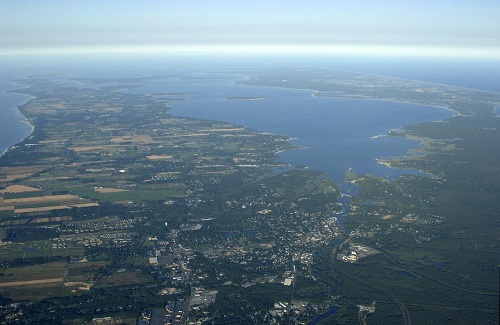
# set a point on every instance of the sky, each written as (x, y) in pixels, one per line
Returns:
(457, 27)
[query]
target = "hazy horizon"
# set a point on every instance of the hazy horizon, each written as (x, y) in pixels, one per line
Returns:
(459, 28)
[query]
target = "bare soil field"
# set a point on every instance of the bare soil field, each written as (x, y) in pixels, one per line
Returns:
(82, 285)
(13, 173)
(19, 189)
(56, 207)
(40, 199)
(87, 148)
(40, 209)
(85, 205)
(158, 157)
(30, 282)
(134, 139)
(110, 190)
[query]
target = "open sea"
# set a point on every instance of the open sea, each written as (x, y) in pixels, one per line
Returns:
(335, 134)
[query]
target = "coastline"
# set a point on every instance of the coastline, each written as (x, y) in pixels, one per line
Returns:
(407, 79)
(311, 93)
(315, 93)
(15, 144)
(385, 161)
(318, 94)
(24, 117)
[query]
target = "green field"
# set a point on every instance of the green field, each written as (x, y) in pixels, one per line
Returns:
(21, 195)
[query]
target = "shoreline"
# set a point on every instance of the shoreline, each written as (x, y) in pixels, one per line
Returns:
(24, 118)
(314, 93)
(318, 94)
(15, 144)
(383, 160)
(405, 79)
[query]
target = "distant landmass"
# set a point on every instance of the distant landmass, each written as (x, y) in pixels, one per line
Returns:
(247, 98)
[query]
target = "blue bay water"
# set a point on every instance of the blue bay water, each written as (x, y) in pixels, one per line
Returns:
(336, 134)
